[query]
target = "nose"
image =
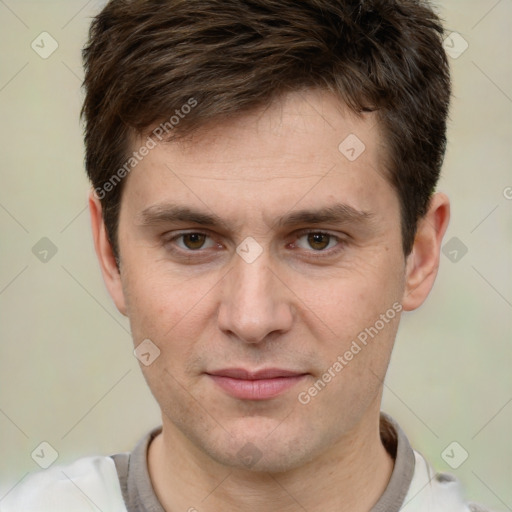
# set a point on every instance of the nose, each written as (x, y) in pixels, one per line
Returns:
(255, 303)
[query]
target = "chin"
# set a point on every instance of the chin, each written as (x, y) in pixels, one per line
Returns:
(255, 447)
(261, 459)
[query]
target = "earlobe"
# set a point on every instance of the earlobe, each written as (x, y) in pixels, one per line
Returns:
(423, 261)
(105, 253)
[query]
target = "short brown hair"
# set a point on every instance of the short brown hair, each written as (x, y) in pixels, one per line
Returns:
(146, 58)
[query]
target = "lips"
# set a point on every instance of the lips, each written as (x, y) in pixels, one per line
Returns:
(268, 373)
(255, 385)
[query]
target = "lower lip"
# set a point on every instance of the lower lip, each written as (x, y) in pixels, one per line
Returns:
(260, 389)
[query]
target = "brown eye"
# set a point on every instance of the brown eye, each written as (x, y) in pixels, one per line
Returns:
(318, 241)
(193, 240)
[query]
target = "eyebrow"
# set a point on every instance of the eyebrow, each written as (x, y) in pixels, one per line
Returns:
(336, 214)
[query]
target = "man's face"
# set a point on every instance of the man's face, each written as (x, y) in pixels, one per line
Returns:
(297, 294)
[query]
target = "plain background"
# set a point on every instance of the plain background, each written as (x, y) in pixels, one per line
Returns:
(67, 372)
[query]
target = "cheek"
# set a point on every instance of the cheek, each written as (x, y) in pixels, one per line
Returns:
(353, 298)
(167, 308)
(360, 312)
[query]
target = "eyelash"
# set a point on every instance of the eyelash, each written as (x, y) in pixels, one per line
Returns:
(341, 242)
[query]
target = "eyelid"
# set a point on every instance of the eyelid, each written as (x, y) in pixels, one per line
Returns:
(306, 231)
(171, 235)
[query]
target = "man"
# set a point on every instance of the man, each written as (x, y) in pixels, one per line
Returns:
(263, 211)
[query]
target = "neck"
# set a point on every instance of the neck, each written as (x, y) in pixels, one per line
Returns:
(351, 475)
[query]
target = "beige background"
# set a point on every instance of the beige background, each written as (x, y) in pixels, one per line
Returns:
(67, 372)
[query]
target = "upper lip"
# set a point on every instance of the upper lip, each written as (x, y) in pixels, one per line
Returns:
(265, 373)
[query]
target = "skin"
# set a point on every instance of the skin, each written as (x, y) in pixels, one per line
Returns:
(207, 308)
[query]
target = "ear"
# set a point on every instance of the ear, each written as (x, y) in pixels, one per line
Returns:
(423, 261)
(105, 253)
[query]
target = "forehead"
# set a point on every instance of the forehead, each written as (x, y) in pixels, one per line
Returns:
(304, 148)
